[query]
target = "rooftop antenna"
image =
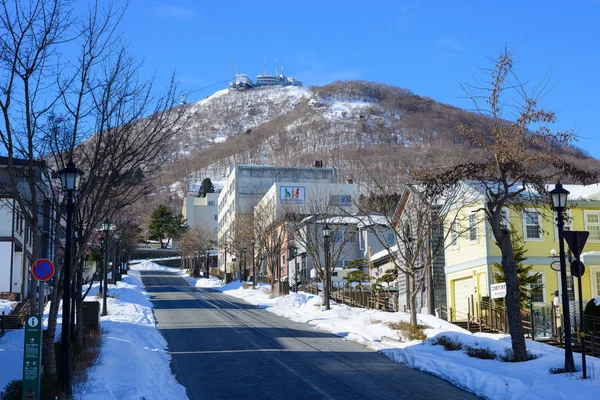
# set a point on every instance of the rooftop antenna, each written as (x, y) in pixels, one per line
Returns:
(264, 158)
(182, 100)
(230, 69)
(282, 60)
(265, 65)
(237, 68)
(276, 67)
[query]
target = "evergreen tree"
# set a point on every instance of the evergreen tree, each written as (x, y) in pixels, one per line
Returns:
(356, 276)
(206, 187)
(526, 280)
(165, 226)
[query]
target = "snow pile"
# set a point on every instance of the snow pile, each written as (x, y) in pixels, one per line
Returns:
(7, 306)
(133, 361)
(11, 354)
(492, 379)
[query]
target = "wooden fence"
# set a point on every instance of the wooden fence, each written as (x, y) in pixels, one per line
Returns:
(355, 297)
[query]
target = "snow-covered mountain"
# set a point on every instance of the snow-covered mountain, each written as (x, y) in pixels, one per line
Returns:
(346, 124)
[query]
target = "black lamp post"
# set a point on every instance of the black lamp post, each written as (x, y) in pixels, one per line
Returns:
(559, 203)
(106, 229)
(225, 265)
(207, 273)
(115, 270)
(253, 242)
(326, 236)
(244, 270)
(69, 178)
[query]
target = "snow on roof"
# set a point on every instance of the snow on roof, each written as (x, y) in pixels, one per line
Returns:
(383, 253)
(360, 221)
(581, 192)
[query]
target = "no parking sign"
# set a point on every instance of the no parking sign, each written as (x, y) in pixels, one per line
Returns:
(42, 269)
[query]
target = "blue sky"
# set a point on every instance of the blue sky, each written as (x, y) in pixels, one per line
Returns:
(427, 47)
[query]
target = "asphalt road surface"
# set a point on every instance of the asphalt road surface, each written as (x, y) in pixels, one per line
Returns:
(225, 348)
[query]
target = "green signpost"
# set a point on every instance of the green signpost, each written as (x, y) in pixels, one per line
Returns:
(32, 357)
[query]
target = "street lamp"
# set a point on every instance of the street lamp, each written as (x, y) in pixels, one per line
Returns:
(106, 229)
(225, 265)
(293, 253)
(326, 235)
(70, 177)
(559, 203)
(244, 271)
(253, 242)
(115, 271)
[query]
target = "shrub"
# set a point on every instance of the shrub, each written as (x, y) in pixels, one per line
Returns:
(557, 370)
(480, 352)
(12, 390)
(409, 331)
(509, 355)
(448, 343)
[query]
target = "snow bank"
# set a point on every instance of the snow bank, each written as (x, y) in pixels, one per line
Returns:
(133, 361)
(491, 379)
(7, 306)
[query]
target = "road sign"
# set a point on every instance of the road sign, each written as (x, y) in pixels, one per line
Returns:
(498, 290)
(576, 241)
(42, 269)
(577, 268)
(32, 356)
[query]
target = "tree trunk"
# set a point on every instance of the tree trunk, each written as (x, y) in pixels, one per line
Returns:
(49, 354)
(412, 300)
(513, 301)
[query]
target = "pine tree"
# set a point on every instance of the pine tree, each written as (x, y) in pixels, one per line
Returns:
(206, 187)
(165, 226)
(356, 276)
(526, 280)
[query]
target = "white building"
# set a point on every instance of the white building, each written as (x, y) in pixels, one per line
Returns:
(16, 238)
(202, 212)
(245, 186)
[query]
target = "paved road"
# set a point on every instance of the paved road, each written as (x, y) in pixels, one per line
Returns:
(224, 348)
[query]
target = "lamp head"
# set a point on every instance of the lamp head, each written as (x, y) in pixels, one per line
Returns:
(70, 177)
(326, 231)
(553, 252)
(559, 197)
(106, 225)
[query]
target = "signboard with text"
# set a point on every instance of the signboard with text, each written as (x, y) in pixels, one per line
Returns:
(498, 290)
(292, 194)
(32, 356)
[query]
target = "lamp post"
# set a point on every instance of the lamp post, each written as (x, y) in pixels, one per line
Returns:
(225, 265)
(106, 229)
(70, 178)
(115, 271)
(101, 278)
(326, 235)
(244, 253)
(292, 254)
(207, 273)
(253, 242)
(559, 203)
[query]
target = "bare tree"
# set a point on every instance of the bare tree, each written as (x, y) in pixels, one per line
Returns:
(517, 155)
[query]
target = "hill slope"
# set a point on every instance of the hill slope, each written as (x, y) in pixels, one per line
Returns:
(352, 125)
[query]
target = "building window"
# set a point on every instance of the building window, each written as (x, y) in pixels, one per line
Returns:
(211, 202)
(391, 238)
(568, 221)
(532, 230)
(453, 234)
(216, 217)
(536, 290)
(570, 291)
(338, 236)
(340, 199)
(349, 236)
(473, 227)
(592, 225)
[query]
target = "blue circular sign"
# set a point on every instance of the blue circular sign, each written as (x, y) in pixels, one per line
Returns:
(43, 269)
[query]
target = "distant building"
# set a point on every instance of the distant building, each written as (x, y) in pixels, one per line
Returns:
(202, 212)
(245, 186)
(264, 80)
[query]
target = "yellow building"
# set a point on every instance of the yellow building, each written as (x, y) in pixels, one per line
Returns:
(471, 250)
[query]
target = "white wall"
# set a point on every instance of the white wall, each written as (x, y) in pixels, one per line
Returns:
(5, 252)
(5, 219)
